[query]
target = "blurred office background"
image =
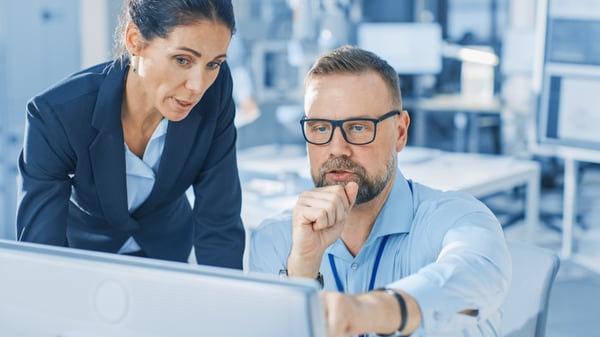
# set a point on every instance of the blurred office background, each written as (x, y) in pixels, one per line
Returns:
(42, 41)
(478, 76)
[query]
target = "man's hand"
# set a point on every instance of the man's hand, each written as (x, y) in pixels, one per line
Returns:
(318, 220)
(370, 312)
(342, 314)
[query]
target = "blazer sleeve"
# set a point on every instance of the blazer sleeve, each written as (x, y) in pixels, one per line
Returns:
(219, 236)
(43, 183)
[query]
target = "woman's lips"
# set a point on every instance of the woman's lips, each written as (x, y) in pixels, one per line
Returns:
(182, 105)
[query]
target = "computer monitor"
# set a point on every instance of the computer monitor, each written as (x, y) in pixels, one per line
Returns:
(569, 74)
(411, 48)
(568, 113)
(55, 291)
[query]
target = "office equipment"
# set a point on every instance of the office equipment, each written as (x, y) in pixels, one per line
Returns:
(568, 112)
(570, 75)
(411, 48)
(469, 116)
(55, 291)
(566, 82)
(525, 309)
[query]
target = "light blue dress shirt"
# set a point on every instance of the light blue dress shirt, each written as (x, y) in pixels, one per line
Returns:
(141, 174)
(446, 249)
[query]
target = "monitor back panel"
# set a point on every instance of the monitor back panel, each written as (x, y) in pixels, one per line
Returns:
(52, 291)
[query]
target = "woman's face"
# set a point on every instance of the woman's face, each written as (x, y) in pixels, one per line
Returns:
(175, 72)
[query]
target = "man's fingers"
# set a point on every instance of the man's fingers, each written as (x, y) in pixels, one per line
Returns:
(326, 207)
(316, 217)
(351, 190)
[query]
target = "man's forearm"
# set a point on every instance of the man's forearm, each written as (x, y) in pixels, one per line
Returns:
(380, 313)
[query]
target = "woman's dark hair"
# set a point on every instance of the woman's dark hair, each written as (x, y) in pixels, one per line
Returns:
(157, 18)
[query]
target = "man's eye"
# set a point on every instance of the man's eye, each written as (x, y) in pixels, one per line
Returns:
(357, 127)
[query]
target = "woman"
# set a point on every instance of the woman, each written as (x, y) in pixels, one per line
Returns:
(109, 152)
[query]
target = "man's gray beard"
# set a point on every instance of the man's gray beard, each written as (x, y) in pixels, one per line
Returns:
(368, 189)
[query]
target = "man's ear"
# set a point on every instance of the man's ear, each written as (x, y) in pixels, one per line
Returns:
(133, 39)
(403, 122)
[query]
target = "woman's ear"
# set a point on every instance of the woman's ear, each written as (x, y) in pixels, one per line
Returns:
(133, 39)
(403, 122)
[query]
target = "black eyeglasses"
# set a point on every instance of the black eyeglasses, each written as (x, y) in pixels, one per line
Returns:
(356, 131)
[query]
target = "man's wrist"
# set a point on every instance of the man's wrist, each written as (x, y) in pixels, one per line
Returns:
(283, 274)
(403, 313)
(303, 266)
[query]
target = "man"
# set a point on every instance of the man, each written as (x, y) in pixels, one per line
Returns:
(440, 256)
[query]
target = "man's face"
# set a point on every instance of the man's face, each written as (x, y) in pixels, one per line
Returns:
(344, 96)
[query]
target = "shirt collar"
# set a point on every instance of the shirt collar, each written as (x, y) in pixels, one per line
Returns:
(160, 130)
(146, 167)
(396, 215)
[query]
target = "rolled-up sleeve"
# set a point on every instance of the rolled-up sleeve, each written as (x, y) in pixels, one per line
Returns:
(472, 272)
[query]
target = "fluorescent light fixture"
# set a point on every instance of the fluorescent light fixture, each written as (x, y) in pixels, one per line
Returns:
(478, 56)
(470, 54)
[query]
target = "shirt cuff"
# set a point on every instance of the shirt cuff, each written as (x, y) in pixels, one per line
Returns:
(439, 313)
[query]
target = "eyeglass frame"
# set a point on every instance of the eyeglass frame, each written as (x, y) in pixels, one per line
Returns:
(339, 122)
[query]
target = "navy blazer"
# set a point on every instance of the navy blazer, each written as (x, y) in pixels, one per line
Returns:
(72, 182)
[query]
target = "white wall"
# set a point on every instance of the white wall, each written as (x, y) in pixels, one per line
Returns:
(95, 44)
(40, 45)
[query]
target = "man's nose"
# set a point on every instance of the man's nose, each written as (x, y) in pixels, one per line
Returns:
(338, 143)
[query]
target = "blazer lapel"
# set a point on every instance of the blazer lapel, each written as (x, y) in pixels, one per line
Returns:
(180, 136)
(107, 151)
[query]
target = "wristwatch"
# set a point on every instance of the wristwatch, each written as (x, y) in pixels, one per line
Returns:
(403, 313)
(283, 274)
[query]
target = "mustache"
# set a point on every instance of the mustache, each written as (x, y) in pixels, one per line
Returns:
(340, 163)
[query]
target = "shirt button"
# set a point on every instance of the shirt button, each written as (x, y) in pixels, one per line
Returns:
(354, 266)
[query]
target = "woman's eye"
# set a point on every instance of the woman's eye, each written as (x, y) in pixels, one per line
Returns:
(213, 65)
(181, 60)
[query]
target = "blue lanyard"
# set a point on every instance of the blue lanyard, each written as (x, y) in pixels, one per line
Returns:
(338, 281)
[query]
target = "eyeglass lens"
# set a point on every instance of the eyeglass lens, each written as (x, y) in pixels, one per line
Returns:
(355, 131)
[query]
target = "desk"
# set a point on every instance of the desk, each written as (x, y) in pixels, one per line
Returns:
(468, 117)
(273, 176)
(572, 157)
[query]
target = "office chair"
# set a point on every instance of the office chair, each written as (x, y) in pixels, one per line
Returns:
(525, 309)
